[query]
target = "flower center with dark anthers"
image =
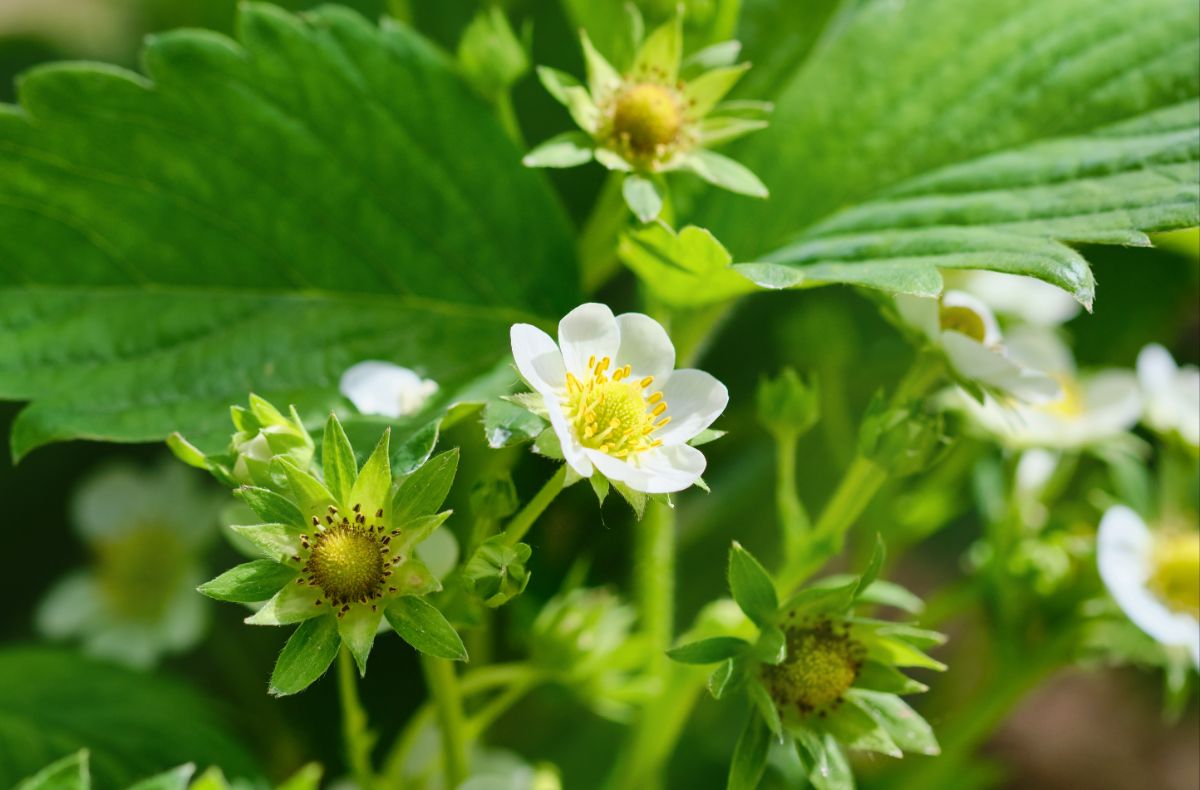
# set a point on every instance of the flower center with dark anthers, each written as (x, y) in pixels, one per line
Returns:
(822, 663)
(614, 414)
(1175, 571)
(965, 321)
(647, 118)
(1070, 403)
(138, 570)
(348, 559)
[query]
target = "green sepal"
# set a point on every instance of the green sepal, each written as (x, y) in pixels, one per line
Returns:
(557, 83)
(548, 444)
(724, 172)
(416, 530)
(714, 56)
(294, 603)
(249, 582)
(212, 779)
(72, 772)
(874, 565)
(709, 88)
(307, 778)
(875, 676)
(310, 493)
(419, 623)
(885, 593)
(308, 653)
(897, 652)
(569, 149)
(357, 628)
(820, 599)
(174, 779)
(337, 460)
(602, 77)
(751, 586)
(279, 542)
(708, 651)
(374, 481)
(269, 505)
(642, 196)
(824, 760)
(423, 492)
(856, 728)
(600, 486)
(904, 725)
(660, 54)
(494, 497)
(750, 755)
(496, 572)
(636, 499)
(729, 675)
(771, 647)
(766, 709)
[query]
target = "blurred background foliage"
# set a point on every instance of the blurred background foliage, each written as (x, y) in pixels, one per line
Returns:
(1092, 729)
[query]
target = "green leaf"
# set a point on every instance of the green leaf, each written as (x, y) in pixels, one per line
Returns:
(662, 51)
(880, 677)
(709, 651)
(766, 709)
(357, 628)
(878, 553)
(423, 492)
(690, 269)
(419, 623)
(824, 760)
(69, 773)
(642, 196)
(174, 779)
(307, 654)
(636, 499)
(885, 593)
(506, 424)
(569, 149)
(338, 463)
(54, 703)
(277, 541)
(262, 214)
(249, 582)
(856, 728)
(905, 726)
(751, 586)
(270, 506)
(771, 647)
(374, 482)
(709, 88)
(935, 136)
(311, 494)
(728, 675)
(721, 171)
(750, 755)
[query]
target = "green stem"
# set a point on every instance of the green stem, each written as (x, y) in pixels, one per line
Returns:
(508, 117)
(598, 237)
(521, 522)
(793, 518)
(495, 708)
(447, 700)
(357, 738)
(654, 574)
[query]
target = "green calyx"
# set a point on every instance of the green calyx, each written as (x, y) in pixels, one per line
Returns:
(822, 663)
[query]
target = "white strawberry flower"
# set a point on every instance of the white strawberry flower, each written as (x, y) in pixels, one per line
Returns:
(615, 401)
(1172, 394)
(967, 333)
(1090, 409)
(1028, 299)
(1154, 576)
(386, 389)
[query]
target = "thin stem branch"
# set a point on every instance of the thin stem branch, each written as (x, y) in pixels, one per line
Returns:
(447, 700)
(521, 522)
(794, 522)
(357, 738)
(598, 237)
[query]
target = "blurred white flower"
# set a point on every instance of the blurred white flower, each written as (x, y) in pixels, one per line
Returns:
(386, 389)
(1092, 407)
(1035, 469)
(1025, 298)
(147, 529)
(1172, 394)
(615, 401)
(1153, 576)
(966, 331)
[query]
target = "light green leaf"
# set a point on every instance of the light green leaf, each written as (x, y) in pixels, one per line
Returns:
(490, 54)
(174, 779)
(134, 724)
(306, 656)
(338, 463)
(720, 129)
(940, 134)
(270, 506)
(569, 149)
(690, 269)
(557, 83)
(69, 773)
(642, 196)
(263, 214)
(709, 88)
(771, 647)
(721, 171)
(905, 726)
(249, 582)
(423, 492)
(714, 56)
(709, 651)
(419, 623)
(751, 586)
(374, 482)
(749, 755)
(506, 424)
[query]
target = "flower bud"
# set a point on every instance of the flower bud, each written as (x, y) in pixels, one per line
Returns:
(903, 440)
(496, 571)
(263, 433)
(787, 404)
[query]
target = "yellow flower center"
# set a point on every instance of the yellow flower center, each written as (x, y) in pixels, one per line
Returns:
(1175, 571)
(822, 663)
(614, 414)
(1070, 404)
(138, 570)
(347, 560)
(963, 320)
(647, 118)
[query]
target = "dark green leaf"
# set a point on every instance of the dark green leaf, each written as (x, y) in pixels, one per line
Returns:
(307, 654)
(750, 755)
(338, 463)
(53, 703)
(708, 651)
(424, 491)
(751, 585)
(419, 623)
(249, 582)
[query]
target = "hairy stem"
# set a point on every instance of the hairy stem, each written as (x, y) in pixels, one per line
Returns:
(357, 738)
(447, 700)
(521, 522)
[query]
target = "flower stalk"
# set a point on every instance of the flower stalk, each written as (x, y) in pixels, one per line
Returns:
(356, 736)
(447, 699)
(521, 522)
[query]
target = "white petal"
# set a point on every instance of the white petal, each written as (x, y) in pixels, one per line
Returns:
(572, 450)
(694, 399)
(1027, 298)
(1123, 548)
(663, 470)
(977, 362)
(376, 387)
(537, 357)
(1156, 369)
(112, 500)
(1036, 348)
(1034, 470)
(919, 312)
(589, 330)
(991, 329)
(645, 347)
(1112, 404)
